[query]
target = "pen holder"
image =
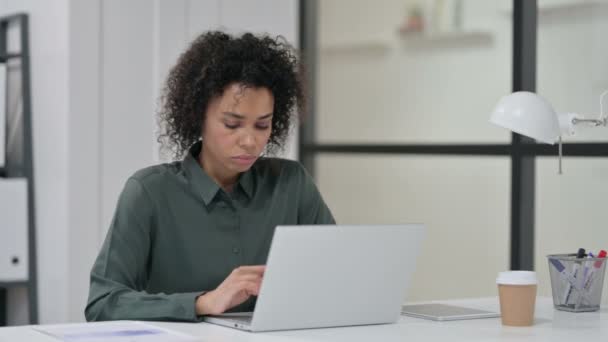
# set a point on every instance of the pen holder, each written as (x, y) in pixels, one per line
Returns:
(576, 283)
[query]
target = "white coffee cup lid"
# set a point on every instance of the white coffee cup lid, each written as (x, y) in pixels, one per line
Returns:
(517, 278)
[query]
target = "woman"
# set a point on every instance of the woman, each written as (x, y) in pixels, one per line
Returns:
(190, 238)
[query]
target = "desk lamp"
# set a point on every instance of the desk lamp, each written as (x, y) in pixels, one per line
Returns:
(529, 114)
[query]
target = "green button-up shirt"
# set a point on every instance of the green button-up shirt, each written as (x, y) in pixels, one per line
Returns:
(176, 234)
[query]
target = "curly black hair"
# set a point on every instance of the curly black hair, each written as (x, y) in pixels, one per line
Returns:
(212, 62)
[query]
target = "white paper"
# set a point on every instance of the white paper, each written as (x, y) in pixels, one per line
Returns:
(2, 113)
(119, 331)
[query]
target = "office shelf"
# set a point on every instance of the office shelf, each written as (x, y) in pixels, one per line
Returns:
(363, 45)
(21, 112)
(7, 56)
(564, 7)
(447, 37)
(7, 284)
(383, 45)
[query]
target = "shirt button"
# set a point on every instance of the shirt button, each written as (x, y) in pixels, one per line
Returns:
(236, 250)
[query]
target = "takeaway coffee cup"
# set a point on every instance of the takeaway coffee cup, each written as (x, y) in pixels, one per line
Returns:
(517, 294)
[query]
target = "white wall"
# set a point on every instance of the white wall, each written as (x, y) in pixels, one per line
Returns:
(84, 132)
(127, 96)
(463, 202)
(97, 67)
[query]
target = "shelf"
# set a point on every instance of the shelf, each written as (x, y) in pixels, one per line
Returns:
(9, 55)
(453, 37)
(370, 45)
(565, 6)
(382, 45)
(16, 283)
(18, 24)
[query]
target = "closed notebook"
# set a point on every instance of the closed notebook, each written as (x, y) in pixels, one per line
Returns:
(443, 312)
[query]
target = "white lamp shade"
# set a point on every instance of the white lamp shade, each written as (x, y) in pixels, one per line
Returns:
(527, 114)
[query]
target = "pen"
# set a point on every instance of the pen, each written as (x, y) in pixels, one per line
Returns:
(585, 279)
(579, 255)
(590, 255)
(586, 269)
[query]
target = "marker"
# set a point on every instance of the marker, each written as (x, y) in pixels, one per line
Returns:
(562, 271)
(581, 253)
(596, 265)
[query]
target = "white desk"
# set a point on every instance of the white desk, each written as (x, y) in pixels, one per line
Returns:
(550, 325)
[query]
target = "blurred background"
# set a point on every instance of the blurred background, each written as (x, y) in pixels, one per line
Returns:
(397, 132)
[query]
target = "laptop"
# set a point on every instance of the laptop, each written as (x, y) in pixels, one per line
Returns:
(332, 276)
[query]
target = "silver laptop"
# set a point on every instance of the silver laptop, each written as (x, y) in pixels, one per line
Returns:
(330, 276)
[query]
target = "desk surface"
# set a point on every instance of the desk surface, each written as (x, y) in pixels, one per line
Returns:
(550, 325)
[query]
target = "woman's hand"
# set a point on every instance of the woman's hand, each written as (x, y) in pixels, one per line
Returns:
(242, 283)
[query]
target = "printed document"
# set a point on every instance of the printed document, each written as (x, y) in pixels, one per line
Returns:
(118, 331)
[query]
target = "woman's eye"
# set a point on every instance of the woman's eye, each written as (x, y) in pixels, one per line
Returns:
(231, 126)
(265, 126)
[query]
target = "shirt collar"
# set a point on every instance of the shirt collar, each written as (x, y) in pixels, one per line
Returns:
(204, 184)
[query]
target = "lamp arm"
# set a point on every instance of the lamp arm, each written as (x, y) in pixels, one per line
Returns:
(602, 120)
(567, 121)
(602, 117)
(560, 154)
(595, 122)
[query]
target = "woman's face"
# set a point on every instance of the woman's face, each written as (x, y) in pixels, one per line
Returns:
(237, 128)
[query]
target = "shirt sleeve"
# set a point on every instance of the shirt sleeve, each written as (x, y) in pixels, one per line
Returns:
(119, 277)
(312, 208)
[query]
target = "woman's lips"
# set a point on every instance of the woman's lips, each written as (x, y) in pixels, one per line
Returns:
(244, 159)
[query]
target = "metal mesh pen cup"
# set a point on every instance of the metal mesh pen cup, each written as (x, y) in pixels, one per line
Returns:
(576, 283)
